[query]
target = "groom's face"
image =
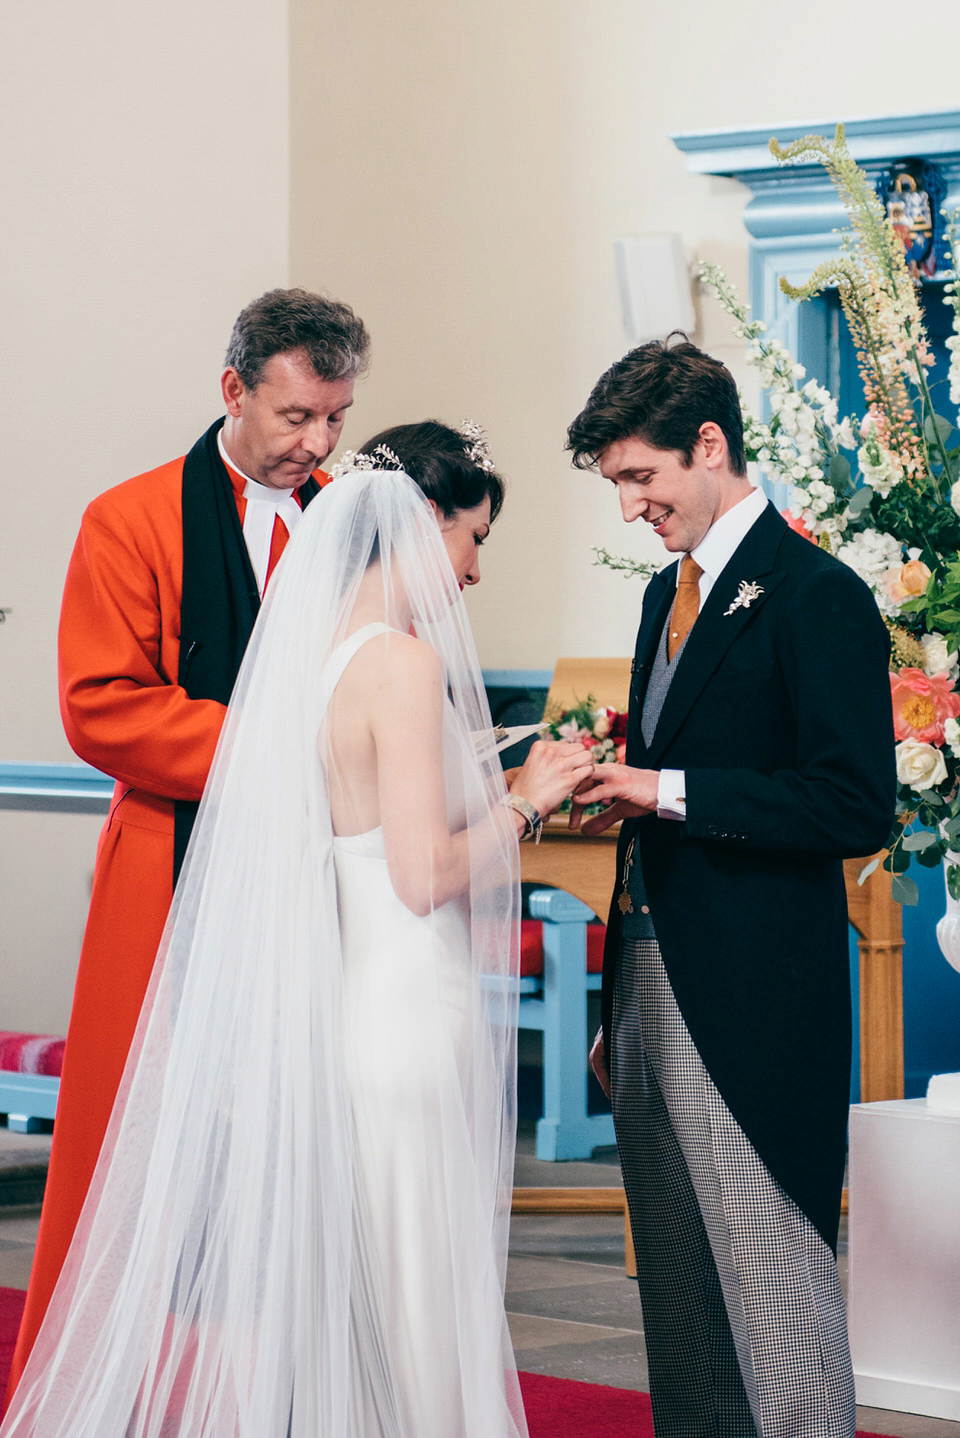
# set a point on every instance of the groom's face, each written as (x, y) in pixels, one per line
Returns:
(680, 502)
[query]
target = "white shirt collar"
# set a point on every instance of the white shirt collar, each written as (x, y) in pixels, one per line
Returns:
(725, 536)
(265, 491)
(264, 505)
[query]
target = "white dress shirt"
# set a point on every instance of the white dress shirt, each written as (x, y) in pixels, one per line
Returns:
(713, 554)
(264, 506)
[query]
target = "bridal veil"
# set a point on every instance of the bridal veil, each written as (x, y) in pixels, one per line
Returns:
(223, 1282)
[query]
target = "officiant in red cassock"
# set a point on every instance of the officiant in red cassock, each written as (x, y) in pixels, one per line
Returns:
(161, 596)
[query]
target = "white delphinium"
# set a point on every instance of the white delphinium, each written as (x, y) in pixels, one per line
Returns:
(953, 345)
(951, 294)
(872, 555)
(813, 504)
(804, 433)
(880, 469)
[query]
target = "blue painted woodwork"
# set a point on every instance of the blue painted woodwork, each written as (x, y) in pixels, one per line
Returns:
(27, 1098)
(517, 678)
(55, 788)
(792, 217)
(556, 1004)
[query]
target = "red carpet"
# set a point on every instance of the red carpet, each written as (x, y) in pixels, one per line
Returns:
(11, 1307)
(556, 1407)
(561, 1408)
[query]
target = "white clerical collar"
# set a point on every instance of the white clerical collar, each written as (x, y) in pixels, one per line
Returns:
(727, 533)
(267, 489)
(264, 506)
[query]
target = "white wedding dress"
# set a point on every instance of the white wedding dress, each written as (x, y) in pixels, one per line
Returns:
(298, 1223)
(409, 995)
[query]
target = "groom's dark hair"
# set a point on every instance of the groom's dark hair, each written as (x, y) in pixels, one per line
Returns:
(661, 392)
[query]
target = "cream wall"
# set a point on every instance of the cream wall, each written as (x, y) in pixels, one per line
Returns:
(144, 184)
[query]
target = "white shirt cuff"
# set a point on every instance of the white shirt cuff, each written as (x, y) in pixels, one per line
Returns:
(672, 794)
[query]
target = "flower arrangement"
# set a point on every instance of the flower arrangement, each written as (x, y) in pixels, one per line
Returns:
(601, 729)
(881, 491)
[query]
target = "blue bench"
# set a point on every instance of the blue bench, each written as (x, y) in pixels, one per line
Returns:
(74, 788)
(26, 1099)
(555, 1002)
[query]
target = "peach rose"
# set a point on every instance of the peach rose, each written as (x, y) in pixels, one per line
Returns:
(911, 580)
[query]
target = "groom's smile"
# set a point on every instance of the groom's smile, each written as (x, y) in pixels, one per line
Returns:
(679, 501)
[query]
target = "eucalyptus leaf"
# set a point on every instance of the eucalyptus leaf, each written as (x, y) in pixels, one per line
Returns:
(934, 425)
(930, 858)
(861, 500)
(840, 473)
(921, 840)
(953, 881)
(899, 861)
(905, 890)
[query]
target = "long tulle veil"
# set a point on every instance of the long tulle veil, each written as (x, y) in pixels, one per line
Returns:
(219, 1284)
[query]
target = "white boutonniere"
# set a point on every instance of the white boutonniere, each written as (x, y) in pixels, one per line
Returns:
(749, 591)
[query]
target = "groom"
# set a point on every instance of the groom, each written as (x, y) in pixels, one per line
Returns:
(759, 755)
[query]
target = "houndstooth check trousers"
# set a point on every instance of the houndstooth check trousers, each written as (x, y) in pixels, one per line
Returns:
(744, 1319)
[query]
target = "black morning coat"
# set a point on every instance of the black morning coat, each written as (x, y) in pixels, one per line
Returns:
(780, 715)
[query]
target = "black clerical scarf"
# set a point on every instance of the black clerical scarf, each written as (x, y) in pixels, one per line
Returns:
(220, 597)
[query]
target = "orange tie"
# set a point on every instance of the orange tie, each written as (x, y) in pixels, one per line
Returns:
(686, 606)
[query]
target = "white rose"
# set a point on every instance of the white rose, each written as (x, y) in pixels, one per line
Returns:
(937, 658)
(951, 735)
(919, 765)
(955, 497)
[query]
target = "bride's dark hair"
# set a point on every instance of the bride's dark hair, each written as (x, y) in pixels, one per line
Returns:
(439, 460)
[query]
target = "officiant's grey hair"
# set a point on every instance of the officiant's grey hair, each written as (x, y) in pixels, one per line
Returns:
(330, 334)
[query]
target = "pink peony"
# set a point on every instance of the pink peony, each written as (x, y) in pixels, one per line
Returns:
(922, 703)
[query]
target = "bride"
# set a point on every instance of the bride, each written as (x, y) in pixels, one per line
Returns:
(297, 1227)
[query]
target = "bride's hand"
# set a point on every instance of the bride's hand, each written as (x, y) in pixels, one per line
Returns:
(552, 771)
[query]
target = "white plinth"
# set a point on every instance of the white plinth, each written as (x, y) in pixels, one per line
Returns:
(904, 1301)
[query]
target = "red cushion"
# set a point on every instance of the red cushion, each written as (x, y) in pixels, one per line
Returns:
(31, 1054)
(531, 948)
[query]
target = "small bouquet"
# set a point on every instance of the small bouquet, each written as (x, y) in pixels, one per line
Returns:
(602, 730)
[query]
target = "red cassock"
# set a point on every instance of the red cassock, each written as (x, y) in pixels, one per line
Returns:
(125, 714)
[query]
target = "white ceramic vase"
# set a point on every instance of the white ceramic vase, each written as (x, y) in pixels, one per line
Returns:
(948, 928)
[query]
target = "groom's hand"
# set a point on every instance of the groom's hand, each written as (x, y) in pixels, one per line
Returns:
(629, 793)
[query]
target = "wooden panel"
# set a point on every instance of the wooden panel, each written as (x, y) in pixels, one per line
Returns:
(565, 858)
(569, 1200)
(608, 680)
(580, 1200)
(878, 920)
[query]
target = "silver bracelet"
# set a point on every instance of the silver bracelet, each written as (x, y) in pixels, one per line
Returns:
(532, 816)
